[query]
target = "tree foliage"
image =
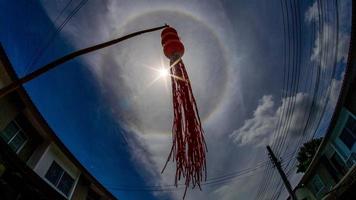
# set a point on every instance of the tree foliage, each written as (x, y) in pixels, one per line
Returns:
(306, 154)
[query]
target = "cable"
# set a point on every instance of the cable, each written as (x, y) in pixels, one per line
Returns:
(334, 64)
(218, 180)
(326, 96)
(295, 89)
(297, 146)
(285, 80)
(291, 93)
(48, 30)
(42, 50)
(278, 132)
(263, 184)
(212, 181)
(286, 57)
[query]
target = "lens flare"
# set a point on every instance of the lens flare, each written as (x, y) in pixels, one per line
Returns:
(163, 72)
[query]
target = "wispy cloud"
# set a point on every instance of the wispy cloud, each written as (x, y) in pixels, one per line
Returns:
(312, 13)
(145, 112)
(329, 35)
(214, 63)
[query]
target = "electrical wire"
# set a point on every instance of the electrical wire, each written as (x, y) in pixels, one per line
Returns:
(326, 91)
(40, 51)
(286, 57)
(318, 93)
(218, 180)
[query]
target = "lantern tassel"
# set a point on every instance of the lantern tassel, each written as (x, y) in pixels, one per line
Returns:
(189, 147)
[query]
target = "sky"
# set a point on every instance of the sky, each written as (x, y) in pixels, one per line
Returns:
(262, 72)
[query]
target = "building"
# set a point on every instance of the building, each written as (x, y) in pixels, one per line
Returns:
(332, 172)
(34, 163)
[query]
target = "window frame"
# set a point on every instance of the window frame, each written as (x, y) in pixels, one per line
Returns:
(19, 129)
(55, 185)
(353, 133)
(321, 181)
(345, 130)
(338, 163)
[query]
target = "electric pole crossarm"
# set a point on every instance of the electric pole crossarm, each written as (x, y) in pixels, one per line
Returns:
(14, 85)
(277, 163)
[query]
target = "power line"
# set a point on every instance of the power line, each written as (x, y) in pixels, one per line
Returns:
(312, 107)
(287, 110)
(298, 71)
(218, 180)
(41, 51)
(212, 181)
(286, 58)
(326, 91)
(299, 140)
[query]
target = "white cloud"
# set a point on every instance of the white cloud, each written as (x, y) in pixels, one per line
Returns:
(335, 91)
(259, 129)
(312, 13)
(146, 116)
(121, 72)
(343, 47)
(328, 36)
(327, 39)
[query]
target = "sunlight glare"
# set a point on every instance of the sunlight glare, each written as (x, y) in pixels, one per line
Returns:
(163, 72)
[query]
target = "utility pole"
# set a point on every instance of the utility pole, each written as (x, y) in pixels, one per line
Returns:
(42, 70)
(277, 164)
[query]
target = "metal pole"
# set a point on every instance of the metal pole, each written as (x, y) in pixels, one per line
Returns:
(277, 163)
(17, 83)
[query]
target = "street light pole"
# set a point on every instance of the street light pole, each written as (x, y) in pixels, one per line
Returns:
(17, 83)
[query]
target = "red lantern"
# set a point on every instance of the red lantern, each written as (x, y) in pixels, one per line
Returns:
(172, 46)
(188, 148)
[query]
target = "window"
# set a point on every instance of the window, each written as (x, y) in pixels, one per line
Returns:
(351, 124)
(59, 178)
(348, 135)
(338, 163)
(317, 184)
(14, 136)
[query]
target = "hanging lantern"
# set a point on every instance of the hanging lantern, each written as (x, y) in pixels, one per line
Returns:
(189, 147)
(172, 46)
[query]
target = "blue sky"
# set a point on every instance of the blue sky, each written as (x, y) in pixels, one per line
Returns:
(117, 124)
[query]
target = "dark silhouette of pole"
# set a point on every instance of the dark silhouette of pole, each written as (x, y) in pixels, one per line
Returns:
(277, 163)
(17, 83)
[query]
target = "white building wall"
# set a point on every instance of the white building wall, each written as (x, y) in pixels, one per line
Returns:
(51, 154)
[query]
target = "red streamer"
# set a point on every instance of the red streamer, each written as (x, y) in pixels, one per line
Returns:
(189, 147)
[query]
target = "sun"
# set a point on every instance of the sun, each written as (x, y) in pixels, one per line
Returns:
(163, 72)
